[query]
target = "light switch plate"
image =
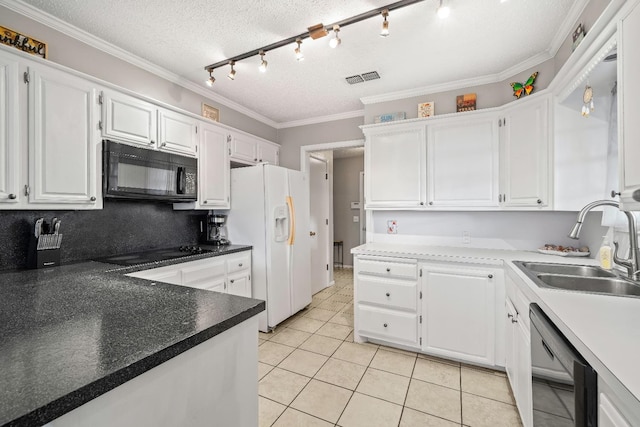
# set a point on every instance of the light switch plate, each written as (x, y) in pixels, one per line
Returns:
(466, 238)
(356, 218)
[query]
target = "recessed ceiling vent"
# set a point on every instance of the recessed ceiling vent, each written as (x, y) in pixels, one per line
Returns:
(371, 75)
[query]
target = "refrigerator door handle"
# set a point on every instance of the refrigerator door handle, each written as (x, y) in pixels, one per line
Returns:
(292, 221)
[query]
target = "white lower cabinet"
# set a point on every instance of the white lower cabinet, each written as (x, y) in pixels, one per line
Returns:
(518, 350)
(458, 311)
(226, 273)
(608, 414)
(386, 300)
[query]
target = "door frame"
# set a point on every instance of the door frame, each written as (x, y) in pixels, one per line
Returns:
(305, 154)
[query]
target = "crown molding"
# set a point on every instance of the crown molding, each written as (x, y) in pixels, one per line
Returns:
(321, 119)
(567, 26)
(100, 44)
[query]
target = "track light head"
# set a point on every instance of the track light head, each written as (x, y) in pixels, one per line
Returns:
(298, 50)
(263, 64)
(443, 11)
(211, 80)
(385, 24)
(232, 73)
(335, 42)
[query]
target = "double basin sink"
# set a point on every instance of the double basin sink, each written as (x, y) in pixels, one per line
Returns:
(579, 278)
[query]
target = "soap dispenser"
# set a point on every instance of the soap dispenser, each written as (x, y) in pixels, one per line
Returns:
(604, 255)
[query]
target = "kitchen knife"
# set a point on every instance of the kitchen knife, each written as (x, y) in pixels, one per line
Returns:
(38, 228)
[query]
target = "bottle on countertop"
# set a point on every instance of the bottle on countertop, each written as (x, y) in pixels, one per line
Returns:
(604, 255)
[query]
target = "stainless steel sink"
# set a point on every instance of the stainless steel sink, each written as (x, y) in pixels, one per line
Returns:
(601, 285)
(578, 278)
(572, 270)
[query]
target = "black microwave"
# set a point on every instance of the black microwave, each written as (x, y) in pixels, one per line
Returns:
(138, 173)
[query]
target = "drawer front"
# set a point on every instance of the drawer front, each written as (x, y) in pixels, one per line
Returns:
(388, 292)
(202, 272)
(388, 268)
(389, 325)
(239, 262)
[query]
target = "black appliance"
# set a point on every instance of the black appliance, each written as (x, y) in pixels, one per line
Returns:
(153, 256)
(564, 385)
(142, 174)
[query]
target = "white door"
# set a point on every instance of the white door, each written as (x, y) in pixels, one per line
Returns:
(9, 146)
(62, 138)
(244, 149)
(269, 153)
(213, 167)
(239, 284)
(129, 119)
(300, 251)
(319, 224)
(463, 163)
(177, 133)
(525, 154)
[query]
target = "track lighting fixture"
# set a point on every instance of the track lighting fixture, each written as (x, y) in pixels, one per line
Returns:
(314, 32)
(211, 80)
(443, 11)
(298, 50)
(385, 24)
(263, 64)
(335, 42)
(232, 73)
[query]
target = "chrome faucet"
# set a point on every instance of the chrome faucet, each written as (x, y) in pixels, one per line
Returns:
(632, 264)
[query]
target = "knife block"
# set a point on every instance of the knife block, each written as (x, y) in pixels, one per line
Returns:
(42, 258)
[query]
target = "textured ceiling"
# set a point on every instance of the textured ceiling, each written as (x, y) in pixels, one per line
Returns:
(480, 37)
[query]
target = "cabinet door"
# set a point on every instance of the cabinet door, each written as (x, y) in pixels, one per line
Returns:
(244, 149)
(459, 313)
(395, 168)
(269, 153)
(522, 370)
(177, 133)
(510, 345)
(525, 150)
(629, 110)
(608, 414)
(213, 167)
(128, 119)
(62, 138)
(217, 285)
(240, 284)
(463, 169)
(9, 122)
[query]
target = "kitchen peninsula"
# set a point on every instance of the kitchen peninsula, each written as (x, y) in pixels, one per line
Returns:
(84, 344)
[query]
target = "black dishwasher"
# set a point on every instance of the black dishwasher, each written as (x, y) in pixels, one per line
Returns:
(564, 384)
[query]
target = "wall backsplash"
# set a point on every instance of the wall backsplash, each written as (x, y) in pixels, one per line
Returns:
(121, 227)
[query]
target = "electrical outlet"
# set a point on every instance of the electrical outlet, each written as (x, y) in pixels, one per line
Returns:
(392, 226)
(356, 218)
(466, 238)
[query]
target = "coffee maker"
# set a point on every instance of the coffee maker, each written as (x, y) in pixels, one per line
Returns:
(216, 230)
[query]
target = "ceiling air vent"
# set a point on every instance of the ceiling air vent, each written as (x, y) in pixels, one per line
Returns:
(371, 75)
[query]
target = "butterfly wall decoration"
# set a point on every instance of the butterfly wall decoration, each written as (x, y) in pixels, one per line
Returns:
(520, 89)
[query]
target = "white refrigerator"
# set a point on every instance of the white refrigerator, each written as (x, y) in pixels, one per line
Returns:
(270, 211)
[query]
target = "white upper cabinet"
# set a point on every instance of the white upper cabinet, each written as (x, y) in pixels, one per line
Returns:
(129, 119)
(525, 142)
(213, 167)
(249, 150)
(177, 132)
(63, 139)
(629, 110)
(9, 139)
(463, 166)
(395, 167)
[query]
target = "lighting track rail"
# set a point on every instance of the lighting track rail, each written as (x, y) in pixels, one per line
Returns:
(348, 21)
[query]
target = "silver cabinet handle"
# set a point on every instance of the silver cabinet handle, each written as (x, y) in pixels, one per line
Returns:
(255, 160)
(204, 202)
(385, 325)
(539, 201)
(421, 203)
(431, 203)
(490, 276)
(151, 142)
(499, 198)
(614, 193)
(388, 270)
(164, 144)
(240, 265)
(388, 294)
(92, 198)
(231, 281)
(12, 196)
(509, 315)
(514, 320)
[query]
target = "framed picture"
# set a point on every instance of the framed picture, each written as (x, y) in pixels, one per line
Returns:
(27, 44)
(210, 112)
(466, 102)
(426, 109)
(390, 117)
(578, 35)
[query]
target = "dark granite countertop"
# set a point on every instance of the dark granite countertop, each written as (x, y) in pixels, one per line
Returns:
(71, 333)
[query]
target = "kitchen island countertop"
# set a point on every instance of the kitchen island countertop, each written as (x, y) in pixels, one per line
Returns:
(71, 333)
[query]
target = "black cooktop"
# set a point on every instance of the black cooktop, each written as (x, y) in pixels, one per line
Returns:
(156, 255)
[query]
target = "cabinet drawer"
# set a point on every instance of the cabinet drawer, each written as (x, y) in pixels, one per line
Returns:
(386, 324)
(388, 268)
(388, 292)
(238, 263)
(201, 272)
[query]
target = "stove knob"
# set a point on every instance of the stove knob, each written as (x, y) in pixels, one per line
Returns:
(199, 250)
(182, 248)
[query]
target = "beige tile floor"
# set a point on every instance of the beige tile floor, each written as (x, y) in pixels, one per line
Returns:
(313, 374)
